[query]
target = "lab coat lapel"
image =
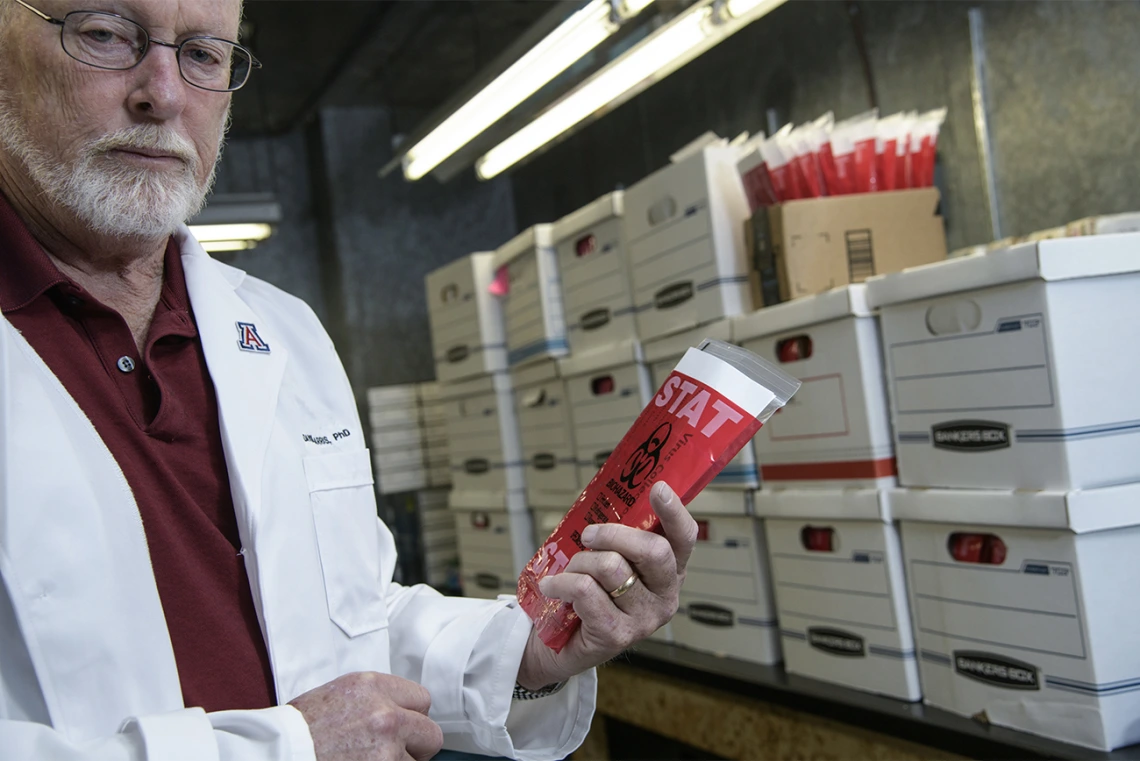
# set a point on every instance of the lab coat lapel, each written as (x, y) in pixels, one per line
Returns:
(247, 361)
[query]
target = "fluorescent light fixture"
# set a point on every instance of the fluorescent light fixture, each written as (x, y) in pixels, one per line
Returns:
(252, 231)
(690, 34)
(560, 49)
(216, 246)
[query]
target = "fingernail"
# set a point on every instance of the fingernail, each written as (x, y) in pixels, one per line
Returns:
(544, 586)
(661, 491)
(589, 534)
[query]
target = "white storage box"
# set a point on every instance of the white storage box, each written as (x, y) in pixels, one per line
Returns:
(1017, 368)
(726, 604)
(837, 568)
(595, 275)
(1035, 627)
(547, 441)
(836, 431)
(532, 303)
(684, 229)
(607, 391)
(494, 547)
(483, 442)
(466, 321)
(663, 355)
(398, 439)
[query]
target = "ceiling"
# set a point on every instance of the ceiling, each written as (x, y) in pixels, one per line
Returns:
(408, 55)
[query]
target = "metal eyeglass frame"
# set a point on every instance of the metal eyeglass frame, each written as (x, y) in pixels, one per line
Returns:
(148, 41)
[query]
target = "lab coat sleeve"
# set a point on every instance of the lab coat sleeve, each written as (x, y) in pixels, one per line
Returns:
(467, 653)
(191, 734)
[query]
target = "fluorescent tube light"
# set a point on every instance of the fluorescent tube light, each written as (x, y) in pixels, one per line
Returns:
(560, 49)
(669, 48)
(214, 233)
(216, 246)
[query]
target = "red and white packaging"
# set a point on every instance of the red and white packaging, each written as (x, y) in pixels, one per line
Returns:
(805, 142)
(712, 404)
(754, 175)
(893, 147)
(781, 170)
(853, 146)
(924, 148)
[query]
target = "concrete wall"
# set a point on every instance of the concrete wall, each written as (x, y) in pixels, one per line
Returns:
(1061, 79)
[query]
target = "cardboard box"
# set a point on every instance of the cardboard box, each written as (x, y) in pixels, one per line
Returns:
(1040, 641)
(683, 227)
(402, 440)
(594, 267)
(494, 547)
(801, 248)
(532, 301)
(837, 568)
(607, 391)
(726, 603)
(483, 442)
(836, 431)
(547, 441)
(741, 472)
(467, 334)
(1016, 369)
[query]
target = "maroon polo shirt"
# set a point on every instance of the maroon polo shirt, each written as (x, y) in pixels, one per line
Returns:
(158, 416)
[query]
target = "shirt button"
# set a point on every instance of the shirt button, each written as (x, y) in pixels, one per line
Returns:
(126, 364)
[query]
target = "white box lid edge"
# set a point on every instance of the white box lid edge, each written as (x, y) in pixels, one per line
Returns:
(614, 355)
(1059, 259)
(530, 375)
(728, 501)
(608, 206)
(1079, 512)
(677, 344)
(825, 504)
(482, 384)
(847, 301)
(534, 237)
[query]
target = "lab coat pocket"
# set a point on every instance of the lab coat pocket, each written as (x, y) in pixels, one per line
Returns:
(344, 514)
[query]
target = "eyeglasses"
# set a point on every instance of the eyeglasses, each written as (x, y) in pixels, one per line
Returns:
(109, 41)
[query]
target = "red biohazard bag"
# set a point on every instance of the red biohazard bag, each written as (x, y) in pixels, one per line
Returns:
(715, 400)
(924, 147)
(754, 176)
(892, 147)
(853, 146)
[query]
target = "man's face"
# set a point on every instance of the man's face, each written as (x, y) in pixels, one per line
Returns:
(128, 153)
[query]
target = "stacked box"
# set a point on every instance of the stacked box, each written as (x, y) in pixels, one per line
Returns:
(684, 229)
(545, 433)
(466, 320)
(1021, 609)
(593, 265)
(397, 438)
(440, 548)
(494, 547)
(528, 284)
(662, 355)
(483, 444)
(607, 389)
(726, 603)
(836, 431)
(433, 418)
(837, 568)
(1016, 368)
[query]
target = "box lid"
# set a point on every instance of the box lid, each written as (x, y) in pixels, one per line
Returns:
(528, 240)
(530, 375)
(1059, 259)
(388, 396)
(491, 502)
(614, 355)
(608, 206)
(482, 384)
(848, 301)
(671, 347)
(1076, 511)
(725, 501)
(825, 504)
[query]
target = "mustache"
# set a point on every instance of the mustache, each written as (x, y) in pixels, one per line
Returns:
(147, 137)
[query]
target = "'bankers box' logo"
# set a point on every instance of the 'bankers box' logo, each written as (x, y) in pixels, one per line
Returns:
(595, 319)
(645, 458)
(673, 295)
(711, 615)
(971, 435)
(836, 642)
(544, 461)
(457, 353)
(477, 465)
(995, 670)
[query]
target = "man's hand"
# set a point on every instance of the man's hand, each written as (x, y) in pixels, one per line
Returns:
(611, 625)
(370, 717)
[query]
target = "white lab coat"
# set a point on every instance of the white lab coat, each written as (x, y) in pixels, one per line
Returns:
(86, 666)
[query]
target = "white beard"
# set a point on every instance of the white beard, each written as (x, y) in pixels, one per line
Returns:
(109, 196)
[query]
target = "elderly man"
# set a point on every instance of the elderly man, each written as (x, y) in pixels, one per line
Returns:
(186, 572)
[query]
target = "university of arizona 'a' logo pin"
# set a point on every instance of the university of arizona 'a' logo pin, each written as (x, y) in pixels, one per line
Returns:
(249, 340)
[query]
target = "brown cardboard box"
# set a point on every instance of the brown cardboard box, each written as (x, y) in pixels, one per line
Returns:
(802, 248)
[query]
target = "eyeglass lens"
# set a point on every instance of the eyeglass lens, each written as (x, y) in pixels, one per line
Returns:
(110, 42)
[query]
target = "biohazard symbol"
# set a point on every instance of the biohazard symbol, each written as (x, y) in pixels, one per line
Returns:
(645, 458)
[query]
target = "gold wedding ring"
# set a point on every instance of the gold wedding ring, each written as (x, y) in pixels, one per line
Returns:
(625, 586)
